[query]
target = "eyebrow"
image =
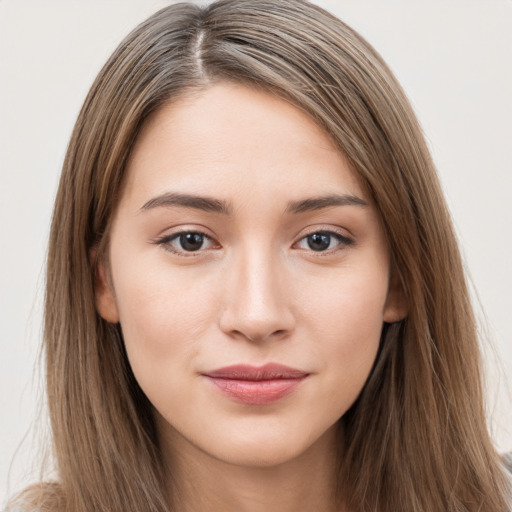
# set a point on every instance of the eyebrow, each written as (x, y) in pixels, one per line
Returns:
(209, 204)
(203, 203)
(321, 202)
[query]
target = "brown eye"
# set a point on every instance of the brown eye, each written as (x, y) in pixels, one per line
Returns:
(319, 241)
(186, 242)
(191, 241)
(323, 241)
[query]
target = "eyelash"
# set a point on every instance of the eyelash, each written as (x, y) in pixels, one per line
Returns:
(343, 241)
(165, 242)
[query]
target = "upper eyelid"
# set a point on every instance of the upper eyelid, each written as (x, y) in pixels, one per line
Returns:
(185, 228)
(330, 230)
(311, 231)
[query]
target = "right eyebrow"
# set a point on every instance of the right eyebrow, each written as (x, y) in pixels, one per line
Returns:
(207, 204)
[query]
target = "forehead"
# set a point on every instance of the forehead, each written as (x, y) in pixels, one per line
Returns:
(230, 136)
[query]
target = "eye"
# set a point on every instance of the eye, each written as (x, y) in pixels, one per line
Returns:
(323, 241)
(186, 242)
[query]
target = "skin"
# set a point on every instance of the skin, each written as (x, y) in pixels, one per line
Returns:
(254, 292)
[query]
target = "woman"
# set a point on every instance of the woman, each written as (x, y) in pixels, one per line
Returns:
(255, 300)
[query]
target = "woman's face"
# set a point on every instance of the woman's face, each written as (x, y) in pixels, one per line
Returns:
(250, 275)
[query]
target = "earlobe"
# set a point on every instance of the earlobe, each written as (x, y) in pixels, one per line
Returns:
(396, 307)
(105, 298)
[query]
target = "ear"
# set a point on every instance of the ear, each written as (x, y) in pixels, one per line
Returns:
(396, 307)
(103, 289)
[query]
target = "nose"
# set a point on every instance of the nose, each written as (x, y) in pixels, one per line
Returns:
(256, 305)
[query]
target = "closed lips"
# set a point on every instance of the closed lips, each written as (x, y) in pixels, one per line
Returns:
(250, 385)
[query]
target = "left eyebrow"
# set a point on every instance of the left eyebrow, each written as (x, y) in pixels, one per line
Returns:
(321, 202)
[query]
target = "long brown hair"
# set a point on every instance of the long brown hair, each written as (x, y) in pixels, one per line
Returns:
(416, 438)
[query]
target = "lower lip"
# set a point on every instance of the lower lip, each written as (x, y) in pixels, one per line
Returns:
(256, 392)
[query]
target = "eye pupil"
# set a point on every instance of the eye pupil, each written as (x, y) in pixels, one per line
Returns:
(191, 241)
(319, 241)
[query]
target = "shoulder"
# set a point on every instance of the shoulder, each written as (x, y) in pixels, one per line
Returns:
(507, 461)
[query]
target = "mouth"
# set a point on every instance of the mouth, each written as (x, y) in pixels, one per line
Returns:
(253, 385)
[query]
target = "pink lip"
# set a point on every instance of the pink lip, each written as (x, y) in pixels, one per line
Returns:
(256, 385)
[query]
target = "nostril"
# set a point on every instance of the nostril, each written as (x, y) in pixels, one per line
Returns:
(280, 333)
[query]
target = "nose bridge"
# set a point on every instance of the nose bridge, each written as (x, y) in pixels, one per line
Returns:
(256, 304)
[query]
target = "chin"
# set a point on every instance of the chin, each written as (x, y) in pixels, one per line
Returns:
(270, 449)
(261, 457)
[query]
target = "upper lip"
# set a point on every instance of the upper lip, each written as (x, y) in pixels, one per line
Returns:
(270, 371)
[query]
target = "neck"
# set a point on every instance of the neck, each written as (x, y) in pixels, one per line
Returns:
(201, 482)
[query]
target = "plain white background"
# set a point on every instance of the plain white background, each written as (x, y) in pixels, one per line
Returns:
(454, 59)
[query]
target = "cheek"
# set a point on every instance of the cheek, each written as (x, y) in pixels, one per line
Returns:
(347, 324)
(349, 306)
(162, 317)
